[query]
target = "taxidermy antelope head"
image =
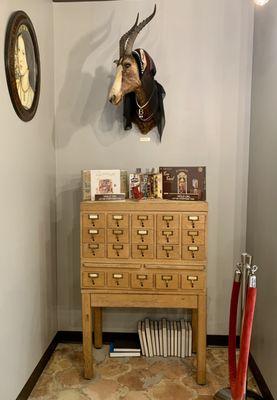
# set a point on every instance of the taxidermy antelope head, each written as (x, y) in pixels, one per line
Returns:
(134, 81)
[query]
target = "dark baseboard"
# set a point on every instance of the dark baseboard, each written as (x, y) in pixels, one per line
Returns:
(264, 389)
(28, 387)
(132, 339)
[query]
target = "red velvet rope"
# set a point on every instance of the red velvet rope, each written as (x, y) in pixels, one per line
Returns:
(233, 334)
(238, 391)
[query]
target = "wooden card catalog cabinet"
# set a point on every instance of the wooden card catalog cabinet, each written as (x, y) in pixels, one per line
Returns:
(149, 253)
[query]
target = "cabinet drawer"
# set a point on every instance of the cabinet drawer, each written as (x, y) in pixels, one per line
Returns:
(167, 281)
(193, 236)
(118, 279)
(142, 235)
(93, 250)
(142, 251)
(118, 235)
(94, 220)
(91, 235)
(93, 279)
(193, 221)
(165, 221)
(118, 220)
(143, 221)
(193, 252)
(192, 280)
(142, 281)
(118, 250)
(168, 236)
(168, 251)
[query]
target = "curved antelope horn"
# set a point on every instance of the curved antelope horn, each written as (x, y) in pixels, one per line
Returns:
(135, 31)
(125, 37)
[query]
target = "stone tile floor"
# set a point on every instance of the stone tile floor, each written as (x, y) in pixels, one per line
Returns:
(141, 378)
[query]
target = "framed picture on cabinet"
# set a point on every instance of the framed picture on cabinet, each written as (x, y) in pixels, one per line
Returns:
(22, 64)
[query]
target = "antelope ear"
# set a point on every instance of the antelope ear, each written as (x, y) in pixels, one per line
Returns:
(143, 60)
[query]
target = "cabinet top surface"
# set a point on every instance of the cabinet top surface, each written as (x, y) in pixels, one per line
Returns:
(151, 205)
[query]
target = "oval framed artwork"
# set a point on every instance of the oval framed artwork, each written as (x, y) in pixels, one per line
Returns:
(22, 65)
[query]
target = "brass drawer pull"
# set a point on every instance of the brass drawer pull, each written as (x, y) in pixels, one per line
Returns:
(142, 248)
(166, 278)
(93, 276)
(142, 233)
(141, 278)
(93, 247)
(167, 219)
(116, 277)
(167, 249)
(93, 232)
(117, 247)
(117, 218)
(193, 249)
(192, 279)
(193, 218)
(93, 216)
(192, 234)
(167, 234)
(117, 232)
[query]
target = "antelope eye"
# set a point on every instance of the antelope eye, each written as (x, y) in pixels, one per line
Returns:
(127, 65)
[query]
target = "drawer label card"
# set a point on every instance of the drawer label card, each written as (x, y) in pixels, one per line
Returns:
(142, 232)
(168, 248)
(142, 247)
(193, 233)
(118, 232)
(142, 217)
(193, 218)
(118, 246)
(94, 275)
(93, 216)
(94, 231)
(94, 246)
(168, 217)
(118, 217)
(193, 248)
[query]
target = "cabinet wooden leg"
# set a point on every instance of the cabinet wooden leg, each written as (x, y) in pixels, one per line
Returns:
(194, 330)
(201, 341)
(97, 327)
(87, 336)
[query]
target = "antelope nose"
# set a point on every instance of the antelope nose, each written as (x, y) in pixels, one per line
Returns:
(112, 98)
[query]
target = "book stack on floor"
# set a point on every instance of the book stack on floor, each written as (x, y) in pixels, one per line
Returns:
(124, 347)
(165, 338)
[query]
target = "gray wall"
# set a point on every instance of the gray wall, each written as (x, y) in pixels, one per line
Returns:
(262, 197)
(27, 203)
(203, 53)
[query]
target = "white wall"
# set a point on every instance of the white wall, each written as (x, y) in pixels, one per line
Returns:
(262, 196)
(27, 204)
(203, 53)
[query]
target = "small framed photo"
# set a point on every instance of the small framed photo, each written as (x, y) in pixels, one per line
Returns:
(22, 65)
